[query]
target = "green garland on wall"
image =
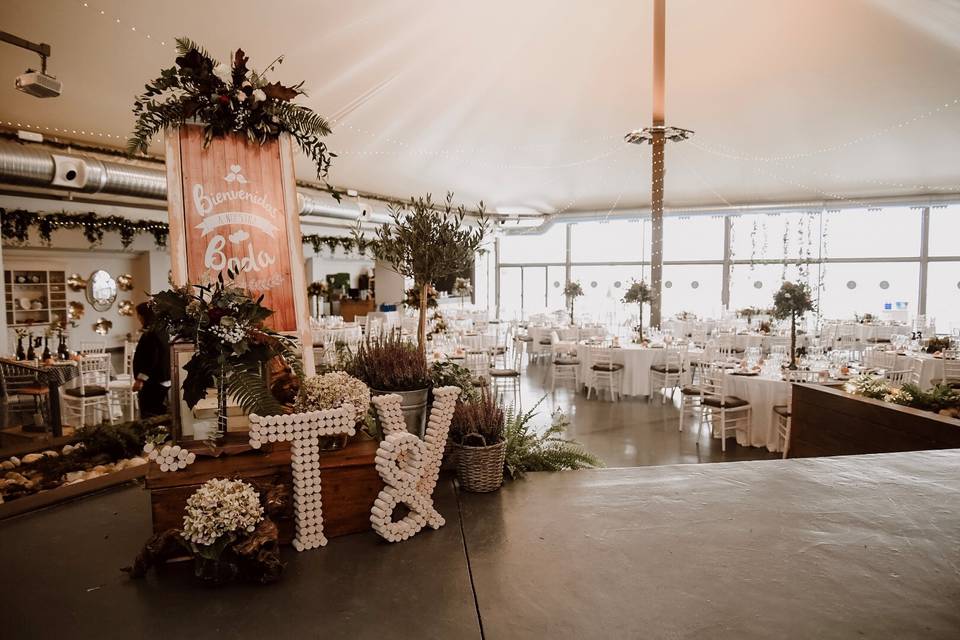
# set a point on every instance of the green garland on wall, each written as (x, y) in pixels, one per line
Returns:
(16, 225)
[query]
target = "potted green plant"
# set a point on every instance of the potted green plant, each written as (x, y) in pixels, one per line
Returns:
(477, 434)
(792, 301)
(427, 242)
(387, 364)
(532, 449)
(571, 292)
(638, 293)
(333, 390)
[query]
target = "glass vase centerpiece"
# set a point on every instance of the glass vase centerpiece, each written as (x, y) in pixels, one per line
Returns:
(232, 347)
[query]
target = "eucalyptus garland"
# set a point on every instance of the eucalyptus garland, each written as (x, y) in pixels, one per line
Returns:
(16, 227)
(227, 98)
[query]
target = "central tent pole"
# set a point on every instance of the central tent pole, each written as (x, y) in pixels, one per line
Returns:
(656, 190)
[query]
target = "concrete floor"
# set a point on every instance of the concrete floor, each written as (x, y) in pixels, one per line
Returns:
(817, 548)
(633, 432)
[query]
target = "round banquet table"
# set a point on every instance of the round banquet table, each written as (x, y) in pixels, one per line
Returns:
(636, 361)
(763, 393)
(931, 368)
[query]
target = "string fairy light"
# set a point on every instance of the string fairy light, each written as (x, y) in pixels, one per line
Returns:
(133, 29)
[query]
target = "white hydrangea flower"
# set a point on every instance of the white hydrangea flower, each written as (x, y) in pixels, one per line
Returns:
(220, 507)
(333, 390)
(224, 72)
(259, 95)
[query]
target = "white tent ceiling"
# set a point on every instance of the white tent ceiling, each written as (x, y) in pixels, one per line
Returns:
(524, 103)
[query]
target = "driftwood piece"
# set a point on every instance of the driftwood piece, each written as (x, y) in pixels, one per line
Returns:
(158, 549)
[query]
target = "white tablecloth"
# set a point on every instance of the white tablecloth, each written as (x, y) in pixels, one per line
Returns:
(763, 394)
(636, 361)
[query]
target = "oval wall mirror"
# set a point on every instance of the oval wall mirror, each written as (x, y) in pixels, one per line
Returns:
(101, 290)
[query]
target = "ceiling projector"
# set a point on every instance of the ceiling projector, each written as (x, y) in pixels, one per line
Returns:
(39, 84)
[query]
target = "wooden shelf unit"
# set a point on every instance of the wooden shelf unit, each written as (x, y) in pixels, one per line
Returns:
(49, 288)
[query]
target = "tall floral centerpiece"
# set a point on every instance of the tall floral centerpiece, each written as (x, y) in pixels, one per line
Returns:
(462, 288)
(231, 345)
(227, 98)
(427, 242)
(638, 293)
(792, 301)
(571, 292)
(317, 290)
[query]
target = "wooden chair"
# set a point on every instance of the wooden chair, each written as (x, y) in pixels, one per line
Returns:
(23, 393)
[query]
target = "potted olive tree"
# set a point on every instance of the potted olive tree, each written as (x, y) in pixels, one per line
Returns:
(638, 294)
(792, 301)
(427, 242)
(387, 364)
(572, 291)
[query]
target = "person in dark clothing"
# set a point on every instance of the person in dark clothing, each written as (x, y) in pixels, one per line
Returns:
(151, 366)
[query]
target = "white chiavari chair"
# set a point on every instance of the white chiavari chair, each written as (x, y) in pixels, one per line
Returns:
(506, 381)
(92, 346)
(604, 373)
(92, 390)
(724, 412)
(477, 363)
(669, 373)
(951, 368)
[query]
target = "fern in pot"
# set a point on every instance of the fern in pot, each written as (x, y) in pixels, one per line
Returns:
(477, 431)
(387, 364)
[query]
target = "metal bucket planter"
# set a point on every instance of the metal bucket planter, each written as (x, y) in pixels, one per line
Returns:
(413, 404)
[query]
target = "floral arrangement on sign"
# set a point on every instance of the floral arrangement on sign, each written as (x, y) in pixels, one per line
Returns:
(227, 528)
(427, 242)
(231, 345)
(227, 98)
(571, 291)
(638, 293)
(791, 301)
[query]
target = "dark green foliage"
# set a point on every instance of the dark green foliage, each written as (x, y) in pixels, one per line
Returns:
(528, 450)
(792, 300)
(444, 373)
(935, 399)
(477, 422)
(245, 103)
(16, 226)
(387, 363)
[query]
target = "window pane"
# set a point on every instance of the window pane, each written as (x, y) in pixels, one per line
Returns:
(601, 299)
(693, 238)
(859, 288)
(534, 290)
(510, 306)
(945, 231)
(547, 247)
(755, 286)
(772, 236)
(555, 280)
(862, 233)
(943, 295)
(694, 288)
(613, 241)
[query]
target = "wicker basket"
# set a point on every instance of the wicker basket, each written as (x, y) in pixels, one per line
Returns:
(480, 469)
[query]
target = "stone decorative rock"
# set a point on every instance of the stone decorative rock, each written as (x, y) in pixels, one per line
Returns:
(168, 457)
(32, 457)
(410, 466)
(303, 431)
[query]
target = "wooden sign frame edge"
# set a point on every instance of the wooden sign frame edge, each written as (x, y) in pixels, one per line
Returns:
(291, 208)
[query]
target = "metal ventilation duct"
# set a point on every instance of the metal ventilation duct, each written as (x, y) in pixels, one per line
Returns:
(37, 167)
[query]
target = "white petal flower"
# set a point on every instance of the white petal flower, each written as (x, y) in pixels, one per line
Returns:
(224, 72)
(259, 95)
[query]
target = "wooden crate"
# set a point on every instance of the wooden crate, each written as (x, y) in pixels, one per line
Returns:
(350, 484)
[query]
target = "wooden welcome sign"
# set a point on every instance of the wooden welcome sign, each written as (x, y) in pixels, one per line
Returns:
(234, 206)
